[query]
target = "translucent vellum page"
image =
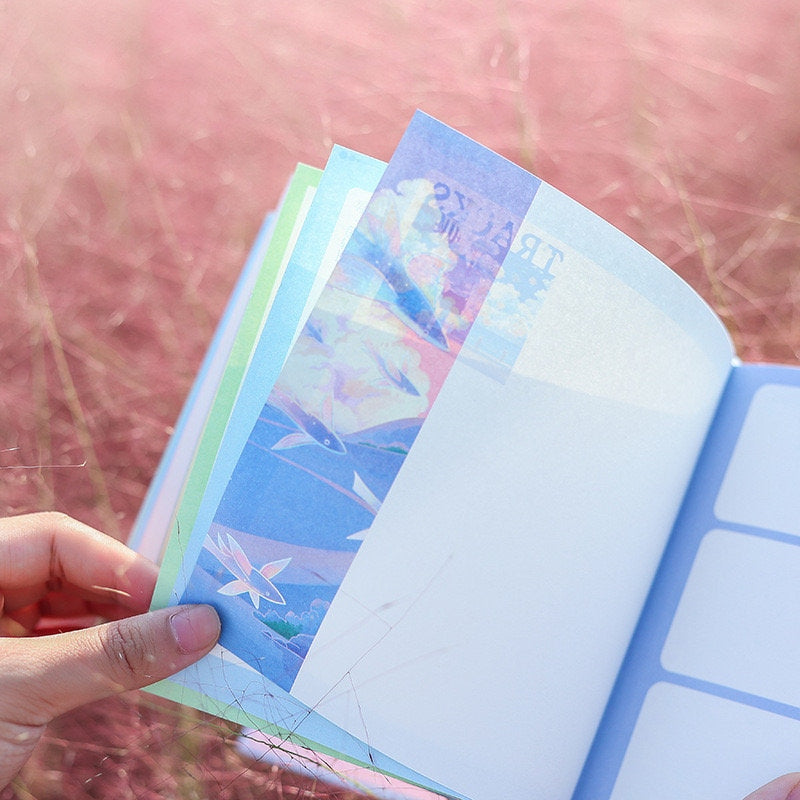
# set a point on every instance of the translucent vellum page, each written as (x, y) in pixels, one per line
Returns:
(491, 603)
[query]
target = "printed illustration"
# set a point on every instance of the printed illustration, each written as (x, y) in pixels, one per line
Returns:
(248, 580)
(350, 400)
(508, 313)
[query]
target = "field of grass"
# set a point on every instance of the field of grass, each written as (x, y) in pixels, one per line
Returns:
(141, 143)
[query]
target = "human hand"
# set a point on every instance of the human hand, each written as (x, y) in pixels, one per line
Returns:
(786, 787)
(52, 566)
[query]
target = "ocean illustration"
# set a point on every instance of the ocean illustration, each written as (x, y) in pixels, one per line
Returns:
(348, 405)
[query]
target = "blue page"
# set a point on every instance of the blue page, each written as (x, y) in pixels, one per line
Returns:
(707, 704)
(346, 185)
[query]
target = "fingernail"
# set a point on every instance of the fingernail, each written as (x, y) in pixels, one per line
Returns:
(195, 628)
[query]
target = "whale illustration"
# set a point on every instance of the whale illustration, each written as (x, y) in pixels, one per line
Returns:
(394, 374)
(312, 430)
(407, 300)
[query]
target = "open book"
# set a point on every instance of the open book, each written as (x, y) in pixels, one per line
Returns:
(483, 497)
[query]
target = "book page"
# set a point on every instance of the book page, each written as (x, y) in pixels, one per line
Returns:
(183, 491)
(461, 483)
(709, 698)
(344, 189)
(503, 576)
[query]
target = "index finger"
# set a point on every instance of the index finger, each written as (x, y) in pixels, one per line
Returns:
(52, 549)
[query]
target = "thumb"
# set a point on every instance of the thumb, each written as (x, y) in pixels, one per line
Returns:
(44, 677)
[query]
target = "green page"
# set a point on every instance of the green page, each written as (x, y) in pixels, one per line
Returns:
(294, 208)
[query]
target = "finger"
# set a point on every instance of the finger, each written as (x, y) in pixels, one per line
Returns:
(67, 594)
(69, 604)
(51, 549)
(44, 677)
(62, 604)
(787, 787)
(57, 612)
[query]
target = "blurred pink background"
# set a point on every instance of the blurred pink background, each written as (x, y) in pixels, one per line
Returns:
(142, 142)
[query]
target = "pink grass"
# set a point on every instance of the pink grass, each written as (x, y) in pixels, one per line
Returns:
(141, 143)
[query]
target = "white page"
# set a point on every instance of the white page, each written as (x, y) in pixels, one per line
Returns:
(551, 495)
